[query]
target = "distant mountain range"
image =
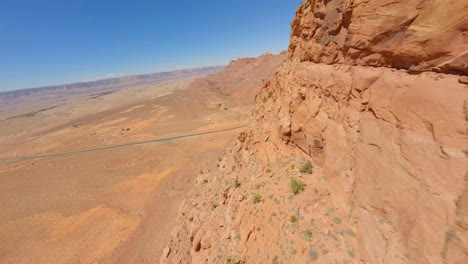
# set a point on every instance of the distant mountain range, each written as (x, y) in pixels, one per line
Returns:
(134, 79)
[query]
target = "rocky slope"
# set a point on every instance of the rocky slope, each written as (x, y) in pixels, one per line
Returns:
(388, 146)
(238, 83)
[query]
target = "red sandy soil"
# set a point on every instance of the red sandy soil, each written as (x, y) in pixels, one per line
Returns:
(115, 205)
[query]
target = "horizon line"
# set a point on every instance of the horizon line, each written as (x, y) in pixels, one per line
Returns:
(110, 78)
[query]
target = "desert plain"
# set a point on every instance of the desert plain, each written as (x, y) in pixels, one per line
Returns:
(96, 175)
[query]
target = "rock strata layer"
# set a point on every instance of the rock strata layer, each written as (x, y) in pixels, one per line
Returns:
(421, 35)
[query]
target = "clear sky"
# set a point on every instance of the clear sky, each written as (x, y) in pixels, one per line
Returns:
(46, 42)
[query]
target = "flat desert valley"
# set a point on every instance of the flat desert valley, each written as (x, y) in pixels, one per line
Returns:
(96, 175)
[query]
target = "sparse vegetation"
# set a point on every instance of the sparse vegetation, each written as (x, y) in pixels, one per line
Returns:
(297, 186)
(268, 171)
(264, 99)
(201, 172)
(336, 220)
(307, 234)
(205, 181)
(236, 183)
(270, 94)
(307, 168)
(232, 261)
(191, 219)
(275, 260)
(348, 232)
(214, 206)
(293, 166)
(293, 219)
(257, 198)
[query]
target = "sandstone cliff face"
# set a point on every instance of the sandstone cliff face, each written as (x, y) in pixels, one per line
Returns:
(390, 142)
(412, 34)
(389, 183)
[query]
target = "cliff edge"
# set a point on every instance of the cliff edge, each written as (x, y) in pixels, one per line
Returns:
(357, 152)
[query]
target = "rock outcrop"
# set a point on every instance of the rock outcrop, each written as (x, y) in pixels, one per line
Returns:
(389, 181)
(420, 35)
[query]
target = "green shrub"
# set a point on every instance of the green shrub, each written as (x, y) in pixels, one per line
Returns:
(307, 168)
(307, 234)
(293, 219)
(297, 186)
(236, 183)
(232, 261)
(257, 198)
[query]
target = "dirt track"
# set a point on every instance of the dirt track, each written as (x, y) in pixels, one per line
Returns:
(13, 160)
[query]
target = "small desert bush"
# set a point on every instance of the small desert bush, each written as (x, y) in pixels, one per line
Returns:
(232, 261)
(297, 186)
(307, 234)
(293, 219)
(257, 198)
(268, 171)
(307, 168)
(236, 183)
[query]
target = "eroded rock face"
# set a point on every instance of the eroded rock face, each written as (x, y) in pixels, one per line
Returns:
(391, 142)
(421, 35)
(389, 147)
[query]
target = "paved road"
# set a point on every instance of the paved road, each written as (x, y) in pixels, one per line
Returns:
(13, 160)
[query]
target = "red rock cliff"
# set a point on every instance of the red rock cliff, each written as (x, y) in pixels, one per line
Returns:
(420, 35)
(388, 146)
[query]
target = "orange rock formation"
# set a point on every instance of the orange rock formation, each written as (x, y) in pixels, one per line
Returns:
(388, 146)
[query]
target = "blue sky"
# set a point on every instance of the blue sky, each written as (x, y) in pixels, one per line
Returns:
(45, 42)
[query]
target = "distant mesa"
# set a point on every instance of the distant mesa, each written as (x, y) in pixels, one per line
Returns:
(134, 79)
